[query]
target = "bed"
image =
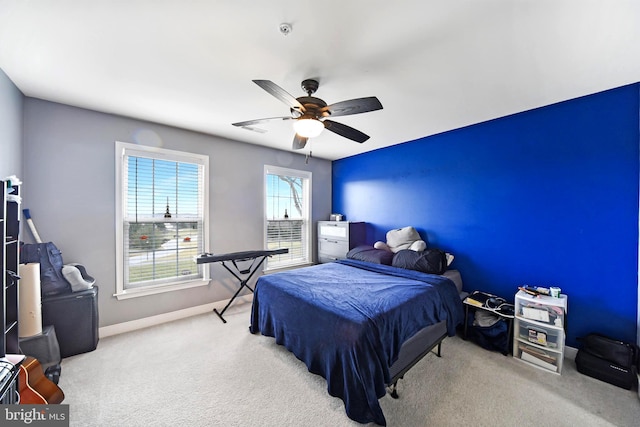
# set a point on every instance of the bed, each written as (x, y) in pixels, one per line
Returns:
(360, 325)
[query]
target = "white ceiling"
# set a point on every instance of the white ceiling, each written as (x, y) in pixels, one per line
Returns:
(435, 65)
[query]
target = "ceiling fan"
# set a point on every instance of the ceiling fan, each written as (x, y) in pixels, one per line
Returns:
(311, 113)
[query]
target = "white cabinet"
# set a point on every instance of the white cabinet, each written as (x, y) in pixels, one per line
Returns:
(336, 238)
(539, 330)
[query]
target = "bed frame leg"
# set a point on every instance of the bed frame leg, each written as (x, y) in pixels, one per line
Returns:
(437, 353)
(393, 390)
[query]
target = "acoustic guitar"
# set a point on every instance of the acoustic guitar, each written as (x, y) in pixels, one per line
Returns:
(34, 387)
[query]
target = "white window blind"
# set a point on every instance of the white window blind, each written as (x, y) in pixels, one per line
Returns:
(163, 218)
(287, 204)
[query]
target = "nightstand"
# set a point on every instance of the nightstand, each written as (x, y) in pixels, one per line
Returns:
(336, 238)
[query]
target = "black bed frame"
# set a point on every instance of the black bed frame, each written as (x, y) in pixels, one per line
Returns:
(413, 350)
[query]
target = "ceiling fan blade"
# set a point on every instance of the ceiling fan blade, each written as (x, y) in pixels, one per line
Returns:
(299, 142)
(254, 129)
(258, 121)
(346, 131)
(280, 93)
(353, 106)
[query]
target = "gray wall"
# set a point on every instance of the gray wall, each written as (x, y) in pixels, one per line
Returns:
(69, 186)
(11, 100)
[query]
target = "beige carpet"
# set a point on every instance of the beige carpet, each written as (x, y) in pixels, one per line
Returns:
(201, 372)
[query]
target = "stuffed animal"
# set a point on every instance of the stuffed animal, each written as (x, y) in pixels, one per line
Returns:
(402, 238)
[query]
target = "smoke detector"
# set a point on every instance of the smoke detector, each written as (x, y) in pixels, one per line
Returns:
(285, 28)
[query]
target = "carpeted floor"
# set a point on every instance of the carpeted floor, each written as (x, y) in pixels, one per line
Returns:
(201, 372)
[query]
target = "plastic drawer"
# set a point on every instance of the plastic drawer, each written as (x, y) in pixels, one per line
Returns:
(545, 337)
(536, 356)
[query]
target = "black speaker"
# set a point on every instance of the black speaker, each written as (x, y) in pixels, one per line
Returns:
(75, 318)
(43, 347)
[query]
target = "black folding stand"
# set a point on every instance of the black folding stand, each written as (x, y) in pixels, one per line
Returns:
(256, 258)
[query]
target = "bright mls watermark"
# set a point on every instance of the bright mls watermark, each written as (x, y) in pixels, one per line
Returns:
(34, 415)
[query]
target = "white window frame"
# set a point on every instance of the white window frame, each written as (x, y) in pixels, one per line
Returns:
(306, 235)
(122, 150)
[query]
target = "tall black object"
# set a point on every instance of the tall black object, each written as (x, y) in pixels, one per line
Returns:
(9, 248)
(75, 318)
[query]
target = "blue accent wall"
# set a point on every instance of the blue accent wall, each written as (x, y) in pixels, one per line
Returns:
(547, 197)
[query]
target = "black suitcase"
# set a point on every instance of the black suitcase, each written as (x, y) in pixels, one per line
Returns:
(604, 370)
(75, 318)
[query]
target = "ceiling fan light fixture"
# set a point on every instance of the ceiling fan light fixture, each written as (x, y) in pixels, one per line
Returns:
(308, 127)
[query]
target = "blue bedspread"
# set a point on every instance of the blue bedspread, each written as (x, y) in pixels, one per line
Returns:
(347, 320)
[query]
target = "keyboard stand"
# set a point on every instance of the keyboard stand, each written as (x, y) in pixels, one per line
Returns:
(256, 258)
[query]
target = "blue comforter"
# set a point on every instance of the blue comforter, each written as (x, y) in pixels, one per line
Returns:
(347, 320)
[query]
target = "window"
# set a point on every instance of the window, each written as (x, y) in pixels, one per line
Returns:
(286, 213)
(160, 219)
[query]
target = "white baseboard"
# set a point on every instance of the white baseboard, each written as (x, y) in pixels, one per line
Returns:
(570, 352)
(120, 328)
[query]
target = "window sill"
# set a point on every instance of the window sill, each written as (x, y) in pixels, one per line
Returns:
(143, 292)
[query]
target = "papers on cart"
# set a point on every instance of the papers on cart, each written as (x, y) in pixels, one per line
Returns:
(538, 357)
(536, 314)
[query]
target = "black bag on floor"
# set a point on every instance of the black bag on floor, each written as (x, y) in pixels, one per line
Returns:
(53, 373)
(608, 360)
(493, 337)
